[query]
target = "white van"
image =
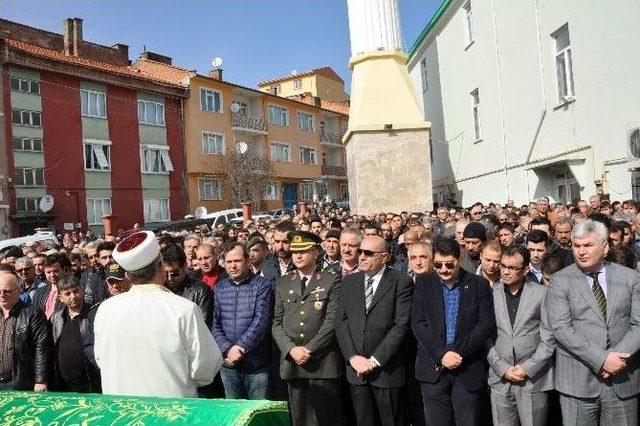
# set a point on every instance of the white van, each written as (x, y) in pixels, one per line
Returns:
(222, 217)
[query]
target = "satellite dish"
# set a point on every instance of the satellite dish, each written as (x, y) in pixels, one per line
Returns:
(241, 147)
(216, 62)
(46, 203)
(235, 107)
(294, 72)
(200, 212)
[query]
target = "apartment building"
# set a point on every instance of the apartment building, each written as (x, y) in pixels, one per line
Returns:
(322, 83)
(300, 137)
(85, 128)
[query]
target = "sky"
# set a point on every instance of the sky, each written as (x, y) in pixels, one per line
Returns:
(257, 39)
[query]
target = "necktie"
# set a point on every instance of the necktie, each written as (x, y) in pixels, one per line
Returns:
(368, 293)
(598, 293)
(303, 284)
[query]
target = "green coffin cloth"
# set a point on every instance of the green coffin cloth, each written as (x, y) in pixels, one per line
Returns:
(49, 408)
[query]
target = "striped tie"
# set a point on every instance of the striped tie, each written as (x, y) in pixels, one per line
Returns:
(598, 293)
(368, 293)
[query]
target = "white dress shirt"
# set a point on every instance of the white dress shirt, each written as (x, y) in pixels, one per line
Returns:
(376, 281)
(151, 342)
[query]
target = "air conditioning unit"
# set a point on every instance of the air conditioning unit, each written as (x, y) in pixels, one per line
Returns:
(633, 147)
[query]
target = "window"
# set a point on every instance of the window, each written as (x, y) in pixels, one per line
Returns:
(344, 191)
(212, 143)
(280, 152)
(96, 208)
(297, 84)
(209, 189)
(156, 210)
(242, 108)
(97, 155)
(20, 84)
(150, 112)
(155, 159)
(278, 115)
(305, 122)
(475, 102)
(27, 144)
(423, 74)
(307, 155)
(307, 190)
(210, 100)
(468, 22)
(274, 90)
(29, 177)
(271, 192)
(26, 118)
(94, 104)
(564, 65)
(27, 204)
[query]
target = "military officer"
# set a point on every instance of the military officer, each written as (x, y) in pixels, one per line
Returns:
(303, 327)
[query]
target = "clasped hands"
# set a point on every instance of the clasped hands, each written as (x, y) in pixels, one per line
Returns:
(516, 374)
(451, 360)
(234, 355)
(615, 363)
(300, 354)
(362, 365)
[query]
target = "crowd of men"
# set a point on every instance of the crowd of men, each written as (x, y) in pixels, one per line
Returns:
(457, 316)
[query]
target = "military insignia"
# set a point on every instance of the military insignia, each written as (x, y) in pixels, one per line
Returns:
(297, 239)
(318, 276)
(318, 305)
(290, 291)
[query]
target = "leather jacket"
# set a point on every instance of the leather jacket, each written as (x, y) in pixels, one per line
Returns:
(87, 317)
(200, 294)
(31, 345)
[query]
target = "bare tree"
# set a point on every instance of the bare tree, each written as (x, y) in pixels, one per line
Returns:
(247, 174)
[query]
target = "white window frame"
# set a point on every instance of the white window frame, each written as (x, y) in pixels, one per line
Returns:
(143, 105)
(33, 201)
(297, 84)
(205, 93)
(313, 158)
(305, 186)
(26, 117)
(309, 121)
(205, 189)
(99, 98)
(162, 153)
(23, 174)
(467, 16)
(148, 204)
(98, 155)
(104, 204)
(564, 66)
(284, 114)
(19, 144)
(424, 75)
(475, 111)
(24, 85)
(271, 192)
(276, 158)
(207, 139)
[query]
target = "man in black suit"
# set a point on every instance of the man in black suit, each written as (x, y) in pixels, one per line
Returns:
(372, 333)
(452, 318)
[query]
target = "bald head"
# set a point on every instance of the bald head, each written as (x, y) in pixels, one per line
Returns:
(376, 242)
(411, 237)
(9, 291)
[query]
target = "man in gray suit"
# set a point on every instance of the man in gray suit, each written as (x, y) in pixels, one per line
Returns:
(594, 311)
(521, 356)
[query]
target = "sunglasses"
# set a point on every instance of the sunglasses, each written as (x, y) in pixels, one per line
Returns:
(19, 271)
(512, 268)
(448, 265)
(369, 253)
(174, 274)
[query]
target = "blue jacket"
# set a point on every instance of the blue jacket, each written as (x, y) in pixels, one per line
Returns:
(242, 316)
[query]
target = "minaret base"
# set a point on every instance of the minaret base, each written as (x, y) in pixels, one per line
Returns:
(389, 171)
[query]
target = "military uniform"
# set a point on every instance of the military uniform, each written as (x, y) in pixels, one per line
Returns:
(307, 318)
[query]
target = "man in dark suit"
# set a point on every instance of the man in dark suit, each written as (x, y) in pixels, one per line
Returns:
(372, 333)
(306, 309)
(452, 319)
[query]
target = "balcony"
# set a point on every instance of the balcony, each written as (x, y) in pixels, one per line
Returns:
(333, 171)
(332, 139)
(248, 124)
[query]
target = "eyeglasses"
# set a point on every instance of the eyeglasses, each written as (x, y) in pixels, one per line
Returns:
(369, 253)
(8, 291)
(512, 268)
(20, 271)
(174, 274)
(448, 265)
